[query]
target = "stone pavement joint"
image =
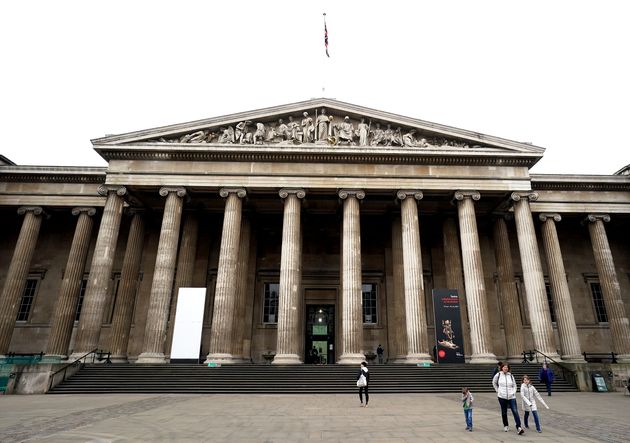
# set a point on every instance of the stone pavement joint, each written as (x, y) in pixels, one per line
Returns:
(45, 427)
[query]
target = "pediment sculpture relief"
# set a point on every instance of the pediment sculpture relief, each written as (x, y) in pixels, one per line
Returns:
(320, 129)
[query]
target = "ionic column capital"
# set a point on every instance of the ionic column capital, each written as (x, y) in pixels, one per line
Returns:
(592, 218)
(285, 192)
(86, 210)
(544, 216)
(36, 210)
(404, 193)
(105, 190)
(240, 192)
(529, 195)
(344, 193)
(180, 191)
(461, 195)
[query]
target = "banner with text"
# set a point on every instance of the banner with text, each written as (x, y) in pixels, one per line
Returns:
(449, 346)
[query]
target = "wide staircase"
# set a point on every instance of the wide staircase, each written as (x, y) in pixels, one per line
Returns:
(298, 379)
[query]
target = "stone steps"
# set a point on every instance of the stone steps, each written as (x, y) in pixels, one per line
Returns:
(271, 379)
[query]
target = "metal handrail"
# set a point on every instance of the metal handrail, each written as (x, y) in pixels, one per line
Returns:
(65, 368)
(565, 369)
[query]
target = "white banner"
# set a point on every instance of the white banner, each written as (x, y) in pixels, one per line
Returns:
(188, 323)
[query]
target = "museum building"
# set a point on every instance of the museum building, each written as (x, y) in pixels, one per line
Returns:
(314, 225)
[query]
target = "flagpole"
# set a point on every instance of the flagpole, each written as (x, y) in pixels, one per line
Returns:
(327, 55)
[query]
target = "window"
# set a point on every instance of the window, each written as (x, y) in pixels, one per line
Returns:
(598, 301)
(369, 303)
(27, 299)
(77, 314)
(552, 308)
(270, 305)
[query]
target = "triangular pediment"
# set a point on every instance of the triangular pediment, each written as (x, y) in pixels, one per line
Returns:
(321, 122)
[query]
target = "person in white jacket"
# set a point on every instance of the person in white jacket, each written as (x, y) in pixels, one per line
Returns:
(505, 387)
(529, 394)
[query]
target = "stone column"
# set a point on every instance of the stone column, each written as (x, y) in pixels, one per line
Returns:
(185, 269)
(18, 272)
(91, 320)
(398, 346)
(221, 346)
(415, 309)
(480, 340)
(66, 307)
(162, 285)
(537, 303)
(241, 293)
(123, 311)
(352, 293)
(565, 319)
(617, 318)
(290, 303)
(455, 274)
(508, 295)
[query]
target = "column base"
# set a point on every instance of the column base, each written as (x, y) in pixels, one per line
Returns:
(120, 359)
(514, 359)
(222, 359)
(151, 358)
(552, 355)
(623, 358)
(577, 358)
(399, 359)
(76, 355)
(351, 359)
(413, 359)
(286, 359)
(484, 358)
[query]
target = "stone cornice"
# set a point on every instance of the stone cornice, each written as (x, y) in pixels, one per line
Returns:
(559, 182)
(316, 154)
(52, 174)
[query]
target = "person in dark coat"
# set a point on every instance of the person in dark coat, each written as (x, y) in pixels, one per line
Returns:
(363, 381)
(546, 376)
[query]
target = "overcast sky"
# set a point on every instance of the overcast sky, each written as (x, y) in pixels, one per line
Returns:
(554, 73)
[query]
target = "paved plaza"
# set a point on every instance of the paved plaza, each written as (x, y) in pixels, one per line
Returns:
(573, 417)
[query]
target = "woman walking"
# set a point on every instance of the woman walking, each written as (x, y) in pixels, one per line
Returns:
(363, 380)
(505, 387)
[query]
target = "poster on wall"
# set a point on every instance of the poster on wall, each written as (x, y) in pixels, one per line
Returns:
(449, 340)
(186, 342)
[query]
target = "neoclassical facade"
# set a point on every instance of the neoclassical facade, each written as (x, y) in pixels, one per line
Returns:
(318, 225)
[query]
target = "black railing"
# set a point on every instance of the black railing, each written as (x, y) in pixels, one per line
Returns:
(595, 357)
(78, 362)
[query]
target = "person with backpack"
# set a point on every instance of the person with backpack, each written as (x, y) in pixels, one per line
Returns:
(505, 387)
(363, 380)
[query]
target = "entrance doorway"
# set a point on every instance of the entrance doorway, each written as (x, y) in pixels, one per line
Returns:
(320, 334)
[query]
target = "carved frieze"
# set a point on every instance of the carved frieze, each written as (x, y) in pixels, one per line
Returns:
(316, 127)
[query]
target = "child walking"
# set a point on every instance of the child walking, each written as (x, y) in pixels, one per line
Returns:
(529, 394)
(467, 403)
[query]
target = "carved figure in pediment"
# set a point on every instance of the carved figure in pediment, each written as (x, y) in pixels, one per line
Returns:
(388, 135)
(195, 137)
(363, 130)
(409, 139)
(227, 135)
(242, 134)
(378, 135)
(308, 129)
(397, 139)
(259, 135)
(345, 131)
(293, 130)
(279, 132)
(422, 143)
(322, 123)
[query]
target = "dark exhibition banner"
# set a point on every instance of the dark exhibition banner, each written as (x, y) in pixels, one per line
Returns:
(449, 346)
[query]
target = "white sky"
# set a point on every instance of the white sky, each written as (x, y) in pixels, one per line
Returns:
(554, 73)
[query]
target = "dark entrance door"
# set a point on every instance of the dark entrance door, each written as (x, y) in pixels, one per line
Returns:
(320, 334)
